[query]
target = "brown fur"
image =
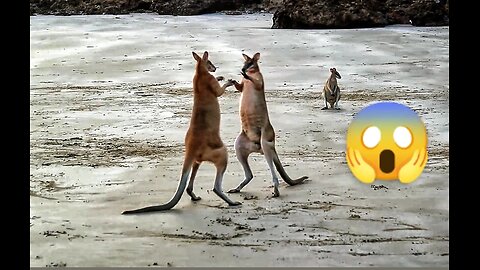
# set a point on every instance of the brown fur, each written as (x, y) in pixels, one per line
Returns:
(257, 133)
(202, 141)
(331, 91)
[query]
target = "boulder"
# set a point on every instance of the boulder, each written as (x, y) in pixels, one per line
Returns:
(75, 7)
(164, 7)
(307, 14)
(197, 7)
(287, 13)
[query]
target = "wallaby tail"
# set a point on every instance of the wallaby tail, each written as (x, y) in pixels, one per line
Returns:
(284, 174)
(187, 167)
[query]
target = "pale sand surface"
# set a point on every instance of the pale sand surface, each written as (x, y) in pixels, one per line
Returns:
(110, 101)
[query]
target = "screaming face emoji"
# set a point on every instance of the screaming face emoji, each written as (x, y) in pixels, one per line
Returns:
(386, 141)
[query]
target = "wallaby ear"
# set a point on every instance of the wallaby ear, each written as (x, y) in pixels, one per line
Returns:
(205, 56)
(196, 56)
(256, 57)
(245, 57)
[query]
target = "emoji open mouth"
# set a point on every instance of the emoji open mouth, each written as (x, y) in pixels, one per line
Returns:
(387, 161)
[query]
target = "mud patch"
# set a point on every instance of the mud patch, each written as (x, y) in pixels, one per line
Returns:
(95, 152)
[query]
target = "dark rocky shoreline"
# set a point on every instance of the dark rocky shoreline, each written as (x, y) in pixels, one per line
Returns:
(355, 14)
(162, 7)
(296, 14)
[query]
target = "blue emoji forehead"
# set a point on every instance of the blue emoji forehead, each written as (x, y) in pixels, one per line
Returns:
(387, 112)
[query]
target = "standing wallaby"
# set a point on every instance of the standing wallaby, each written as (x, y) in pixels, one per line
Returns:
(257, 134)
(331, 91)
(202, 141)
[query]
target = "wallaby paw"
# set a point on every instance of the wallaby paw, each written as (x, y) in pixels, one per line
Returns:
(324, 108)
(233, 190)
(245, 75)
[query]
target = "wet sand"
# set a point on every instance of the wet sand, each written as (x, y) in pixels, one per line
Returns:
(110, 102)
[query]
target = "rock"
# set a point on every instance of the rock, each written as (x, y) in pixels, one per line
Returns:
(74, 7)
(353, 14)
(197, 7)
(164, 7)
(428, 13)
(272, 5)
(329, 14)
(287, 13)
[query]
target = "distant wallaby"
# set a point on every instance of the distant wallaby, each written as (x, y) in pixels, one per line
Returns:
(202, 141)
(331, 91)
(257, 133)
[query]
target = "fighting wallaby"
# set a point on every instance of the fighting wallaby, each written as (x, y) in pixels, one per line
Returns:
(202, 141)
(331, 91)
(257, 134)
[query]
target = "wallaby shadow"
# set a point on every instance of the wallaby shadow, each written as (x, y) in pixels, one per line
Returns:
(330, 109)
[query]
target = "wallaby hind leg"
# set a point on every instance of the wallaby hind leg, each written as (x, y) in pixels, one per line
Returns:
(284, 175)
(219, 157)
(337, 99)
(326, 103)
(243, 148)
(190, 183)
(336, 106)
(269, 152)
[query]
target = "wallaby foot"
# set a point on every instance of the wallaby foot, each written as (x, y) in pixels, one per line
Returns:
(276, 193)
(193, 196)
(243, 183)
(233, 190)
(225, 198)
(235, 203)
(325, 108)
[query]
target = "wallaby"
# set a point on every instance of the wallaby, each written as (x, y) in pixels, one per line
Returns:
(257, 134)
(202, 141)
(331, 91)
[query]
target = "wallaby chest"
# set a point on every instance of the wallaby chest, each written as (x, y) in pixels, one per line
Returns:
(253, 107)
(205, 111)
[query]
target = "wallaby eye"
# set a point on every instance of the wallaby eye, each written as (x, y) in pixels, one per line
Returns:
(371, 137)
(402, 137)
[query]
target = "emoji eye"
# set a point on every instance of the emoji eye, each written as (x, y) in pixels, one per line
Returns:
(371, 137)
(402, 137)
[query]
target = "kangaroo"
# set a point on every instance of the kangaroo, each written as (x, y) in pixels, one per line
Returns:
(202, 141)
(257, 134)
(331, 91)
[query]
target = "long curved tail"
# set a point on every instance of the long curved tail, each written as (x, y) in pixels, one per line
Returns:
(284, 174)
(187, 167)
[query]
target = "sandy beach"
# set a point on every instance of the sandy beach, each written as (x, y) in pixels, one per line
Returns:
(110, 103)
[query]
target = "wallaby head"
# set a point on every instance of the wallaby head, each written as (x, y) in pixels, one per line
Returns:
(335, 72)
(251, 64)
(203, 62)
